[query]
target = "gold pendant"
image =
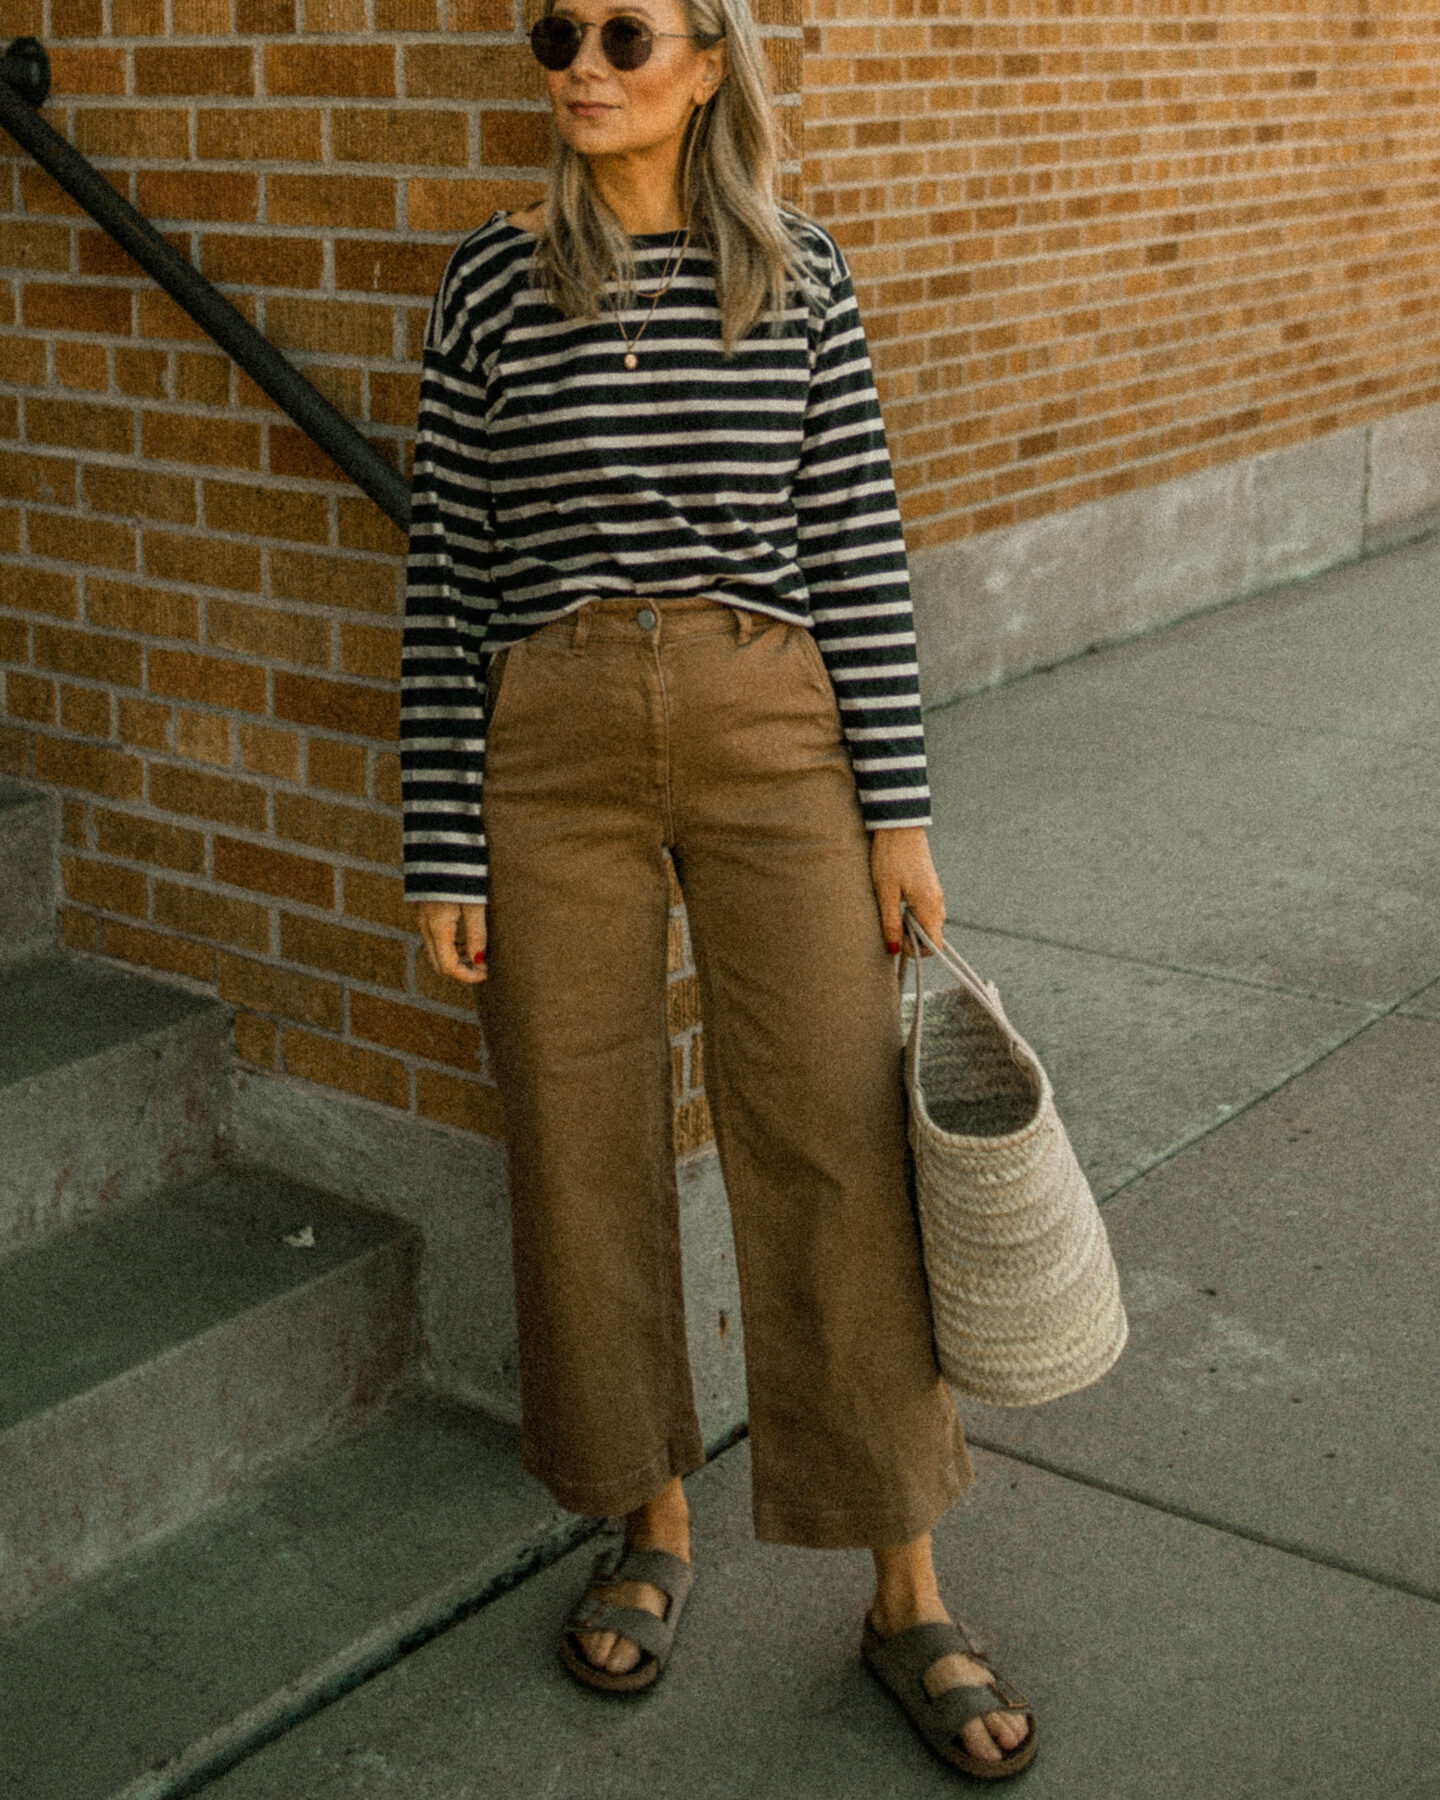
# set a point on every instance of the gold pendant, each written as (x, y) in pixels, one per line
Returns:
(632, 361)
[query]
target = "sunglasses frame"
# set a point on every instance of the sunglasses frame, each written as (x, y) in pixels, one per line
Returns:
(647, 40)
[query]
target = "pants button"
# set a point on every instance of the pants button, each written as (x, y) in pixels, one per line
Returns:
(645, 619)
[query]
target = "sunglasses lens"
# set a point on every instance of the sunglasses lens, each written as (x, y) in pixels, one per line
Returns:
(627, 43)
(555, 42)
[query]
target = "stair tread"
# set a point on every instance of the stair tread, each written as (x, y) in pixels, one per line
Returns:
(314, 1562)
(120, 1287)
(56, 1010)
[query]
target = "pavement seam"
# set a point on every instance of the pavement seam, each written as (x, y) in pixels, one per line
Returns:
(1284, 1546)
(381, 1648)
(1255, 1100)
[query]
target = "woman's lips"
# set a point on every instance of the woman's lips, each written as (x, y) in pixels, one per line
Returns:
(589, 109)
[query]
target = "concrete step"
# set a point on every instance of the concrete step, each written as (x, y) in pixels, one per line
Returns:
(154, 1355)
(29, 830)
(167, 1667)
(110, 1086)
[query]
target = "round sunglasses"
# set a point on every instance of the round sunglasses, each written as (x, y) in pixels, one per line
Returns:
(625, 43)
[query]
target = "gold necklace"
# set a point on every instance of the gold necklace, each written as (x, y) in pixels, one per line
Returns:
(667, 280)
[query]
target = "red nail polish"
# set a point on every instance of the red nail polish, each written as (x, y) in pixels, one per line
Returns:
(894, 949)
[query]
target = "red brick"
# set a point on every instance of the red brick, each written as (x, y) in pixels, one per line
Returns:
(394, 399)
(197, 194)
(192, 438)
(136, 494)
(144, 724)
(26, 245)
(148, 841)
(154, 134)
(339, 1065)
(105, 886)
(154, 612)
(211, 680)
(90, 654)
(415, 1031)
(450, 205)
(14, 641)
(370, 650)
(330, 70)
(208, 69)
(141, 372)
(337, 326)
(378, 898)
(219, 919)
(57, 306)
(361, 832)
(471, 72)
(31, 698)
(468, 1105)
(48, 479)
(157, 950)
(80, 424)
(261, 18)
(208, 562)
(342, 951)
(92, 767)
(272, 134)
(256, 1040)
(516, 140)
(203, 737)
(268, 633)
(364, 527)
(198, 795)
(75, 18)
(82, 365)
(334, 202)
(337, 705)
(335, 581)
(85, 711)
(265, 751)
(381, 266)
(268, 871)
(78, 931)
(339, 765)
(268, 262)
(65, 538)
(22, 361)
(390, 135)
(203, 378)
(284, 992)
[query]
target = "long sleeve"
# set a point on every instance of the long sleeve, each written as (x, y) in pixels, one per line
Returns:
(449, 597)
(852, 553)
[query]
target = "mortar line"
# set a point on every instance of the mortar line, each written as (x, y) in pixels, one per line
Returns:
(1193, 1516)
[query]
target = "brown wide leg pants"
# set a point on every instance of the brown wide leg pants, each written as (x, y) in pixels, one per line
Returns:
(620, 732)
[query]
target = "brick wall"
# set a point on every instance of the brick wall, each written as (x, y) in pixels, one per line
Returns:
(1101, 246)
(1095, 249)
(199, 618)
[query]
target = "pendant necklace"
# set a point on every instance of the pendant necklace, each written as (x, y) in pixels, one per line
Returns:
(667, 278)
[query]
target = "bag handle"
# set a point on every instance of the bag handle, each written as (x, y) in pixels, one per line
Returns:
(975, 984)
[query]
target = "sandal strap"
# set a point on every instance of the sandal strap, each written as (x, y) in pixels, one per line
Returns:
(901, 1662)
(671, 1574)
(653, 1636)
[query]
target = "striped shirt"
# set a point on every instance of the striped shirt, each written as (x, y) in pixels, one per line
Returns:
(548, 475)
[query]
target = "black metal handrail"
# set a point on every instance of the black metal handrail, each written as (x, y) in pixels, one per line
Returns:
(25, 85)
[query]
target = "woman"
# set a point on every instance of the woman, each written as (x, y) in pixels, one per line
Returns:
(658, 603)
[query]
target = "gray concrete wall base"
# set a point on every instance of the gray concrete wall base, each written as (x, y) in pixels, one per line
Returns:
(996, 606)
(453, 1186)
(29, 829)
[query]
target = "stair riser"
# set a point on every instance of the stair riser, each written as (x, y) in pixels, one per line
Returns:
(113, 1127)
(27, 876)
(140, 1456)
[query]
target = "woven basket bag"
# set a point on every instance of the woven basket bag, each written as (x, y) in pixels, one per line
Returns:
(1023, 1288)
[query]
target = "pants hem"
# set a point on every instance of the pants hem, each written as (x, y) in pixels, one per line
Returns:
(613, 1499)
(842, 1528)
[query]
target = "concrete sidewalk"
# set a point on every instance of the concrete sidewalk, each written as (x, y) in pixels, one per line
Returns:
(1205, 870)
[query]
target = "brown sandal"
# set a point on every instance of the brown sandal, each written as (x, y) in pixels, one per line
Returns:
(655, 1637)
(900, 1662)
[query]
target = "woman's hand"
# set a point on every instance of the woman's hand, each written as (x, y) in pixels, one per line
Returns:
(904, 875)
(441, 921)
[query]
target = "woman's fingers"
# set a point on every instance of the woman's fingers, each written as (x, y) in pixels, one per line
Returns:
(904, 875)
(439, 922)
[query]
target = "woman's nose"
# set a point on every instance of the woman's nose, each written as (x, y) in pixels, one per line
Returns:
(590, 58)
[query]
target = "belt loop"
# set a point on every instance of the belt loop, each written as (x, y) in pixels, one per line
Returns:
(581, 631)
(744, 625)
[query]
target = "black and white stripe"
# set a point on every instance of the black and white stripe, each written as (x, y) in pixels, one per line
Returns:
(548, 475)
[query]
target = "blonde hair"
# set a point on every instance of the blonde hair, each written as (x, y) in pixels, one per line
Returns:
(729, 168)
